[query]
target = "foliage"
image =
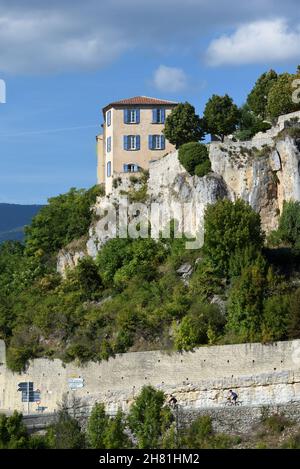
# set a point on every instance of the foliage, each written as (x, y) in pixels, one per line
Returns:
(245, 305)
(276, 318)
(115, 436)
(289, 224)
(249, 124)
(280, 96)
(148, 418)
(96, 427)
(221, 116)
(183, 125)
(229, 227)
(201, 435)
(197, 327)
(65, 433)
(257, 99)
(194, 158)
(13, 433)
(65, 218)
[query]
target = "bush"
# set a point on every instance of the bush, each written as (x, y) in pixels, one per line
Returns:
(229, 227)
(65, 218)
(203, 169)
(198, 327)
(193, 154)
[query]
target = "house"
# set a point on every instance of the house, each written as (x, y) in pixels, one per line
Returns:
(132, 137)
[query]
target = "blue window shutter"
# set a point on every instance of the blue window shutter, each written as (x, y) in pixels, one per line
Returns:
(125, 168)
(162, 142)
(126, 116)
(136, 168)
(154, 116)
(150, 142)
(109, 169)
(138, 142)
(125, 142)
(138, 116)
(163, 116)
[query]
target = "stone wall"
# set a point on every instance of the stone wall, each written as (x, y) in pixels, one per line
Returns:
(261, 374)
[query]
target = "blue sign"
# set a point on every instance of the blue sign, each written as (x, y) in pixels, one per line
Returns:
(28, 394)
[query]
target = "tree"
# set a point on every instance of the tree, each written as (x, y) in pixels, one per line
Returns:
(280, 97)
(228, 228)
(115, 436)
(96, 427)
(257, 99)
(65, 218)
(148, 419)
(65, 433)
(198, 327)
(194, 158)
(221, 116)
(289, 224)
(250, 124)
(245, 304)
(13, 433)
(275, 318)
(183, 125)
(294, 319)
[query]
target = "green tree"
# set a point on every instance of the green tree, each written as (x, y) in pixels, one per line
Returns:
(276, 318)
(294, 318)
(257, 99)
(183, 125)
(280, 96)
(115, 436)
(65, 218)
(13, 433)
(198, 327)
(229, 227)
(289, 224)
(148, 419)
(96, 428)
(250, 124)
(194, 158)
(221, 116)
(245, 304)
(65, 433)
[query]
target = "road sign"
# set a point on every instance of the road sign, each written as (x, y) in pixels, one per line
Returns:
(76, 383)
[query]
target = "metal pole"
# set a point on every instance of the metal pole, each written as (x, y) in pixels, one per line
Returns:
(28, 397)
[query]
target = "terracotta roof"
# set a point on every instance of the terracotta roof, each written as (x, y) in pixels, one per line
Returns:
(141, 100)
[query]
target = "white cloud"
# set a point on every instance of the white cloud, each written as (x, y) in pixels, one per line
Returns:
(169, 79)
(257, 42)
(39, 36)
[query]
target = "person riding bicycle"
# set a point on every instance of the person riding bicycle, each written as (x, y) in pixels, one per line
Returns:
(233, 396)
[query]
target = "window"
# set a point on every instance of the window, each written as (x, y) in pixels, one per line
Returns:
(108, 169)
(132, 142)
(108, 144)
(157, 142)
(158, 116)
(131, 168)
(131, 116)
(108, 118)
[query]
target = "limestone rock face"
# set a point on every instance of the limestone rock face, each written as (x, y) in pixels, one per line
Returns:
(264, 172)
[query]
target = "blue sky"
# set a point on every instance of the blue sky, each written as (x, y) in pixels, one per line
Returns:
(62, 62)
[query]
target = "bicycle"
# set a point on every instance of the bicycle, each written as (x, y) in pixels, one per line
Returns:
(229, 402)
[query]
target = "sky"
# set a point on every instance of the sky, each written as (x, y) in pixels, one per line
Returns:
(62, 61)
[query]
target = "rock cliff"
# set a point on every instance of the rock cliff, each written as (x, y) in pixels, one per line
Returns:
(264, 172)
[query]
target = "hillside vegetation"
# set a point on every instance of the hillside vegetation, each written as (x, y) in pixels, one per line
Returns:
(131, 296)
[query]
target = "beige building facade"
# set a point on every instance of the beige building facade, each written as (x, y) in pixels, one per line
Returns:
(132, 137)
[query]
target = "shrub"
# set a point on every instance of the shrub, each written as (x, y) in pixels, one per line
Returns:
(229, 227)
(194, 154)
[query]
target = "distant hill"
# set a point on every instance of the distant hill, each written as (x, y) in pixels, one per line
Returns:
(13, 218)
